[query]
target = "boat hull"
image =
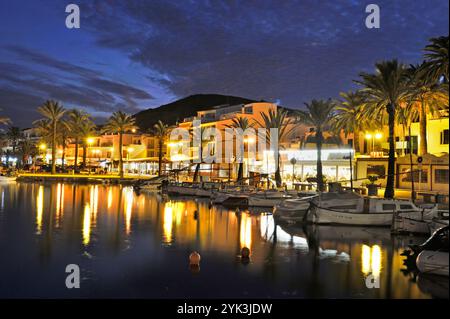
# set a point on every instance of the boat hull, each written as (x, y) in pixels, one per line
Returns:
(433, 262)
(325, 216)
(263, 202)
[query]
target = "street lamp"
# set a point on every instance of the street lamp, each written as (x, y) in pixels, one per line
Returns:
(43, 148)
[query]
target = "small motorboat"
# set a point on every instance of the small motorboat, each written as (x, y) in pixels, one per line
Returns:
(433, 255)
(428, 223)
(292, 210)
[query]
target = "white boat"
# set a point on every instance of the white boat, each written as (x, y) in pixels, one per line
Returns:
(292, 210)
(348, 208)
(428, 223)
(7, 179)
(268, 198)
(433, 262)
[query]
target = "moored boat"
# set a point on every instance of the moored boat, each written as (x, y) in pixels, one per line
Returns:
(348, 208)
(292, 210)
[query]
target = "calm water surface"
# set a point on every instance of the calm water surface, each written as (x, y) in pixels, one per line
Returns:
(132, 245)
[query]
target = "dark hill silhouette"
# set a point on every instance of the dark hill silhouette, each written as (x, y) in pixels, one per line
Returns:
(185, 107)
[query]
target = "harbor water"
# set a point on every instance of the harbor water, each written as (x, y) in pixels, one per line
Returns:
(130, 245)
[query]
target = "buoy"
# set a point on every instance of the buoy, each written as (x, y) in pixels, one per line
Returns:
(245, 252)
(194, 259)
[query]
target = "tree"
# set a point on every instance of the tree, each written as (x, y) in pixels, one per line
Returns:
(160, 130)
(276, 119)
(426, 97)
(75, 122)
(383, 92)
(53, 112)
(241, 123)
(348, 117)
(120, 123)
(319, 114)
(436, 56)
(14, 135)
(86, 130)
(27, 149)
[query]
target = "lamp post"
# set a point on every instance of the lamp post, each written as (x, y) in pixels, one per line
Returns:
(43, 148)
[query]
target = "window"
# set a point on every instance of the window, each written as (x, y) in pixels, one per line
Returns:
(248, 110)
(444, 137)
(441, 176)
(416, 174)
(389, 207)
(379, 170)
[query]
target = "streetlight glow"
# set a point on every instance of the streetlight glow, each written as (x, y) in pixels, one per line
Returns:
(378, 136)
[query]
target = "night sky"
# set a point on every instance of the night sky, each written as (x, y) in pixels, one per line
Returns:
(133, 55)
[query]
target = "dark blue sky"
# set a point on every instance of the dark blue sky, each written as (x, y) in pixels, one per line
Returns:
(132, 55)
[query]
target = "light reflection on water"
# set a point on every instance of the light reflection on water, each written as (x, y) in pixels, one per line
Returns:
(136, 245)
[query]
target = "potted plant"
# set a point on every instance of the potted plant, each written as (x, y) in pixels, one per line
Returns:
(372, 187)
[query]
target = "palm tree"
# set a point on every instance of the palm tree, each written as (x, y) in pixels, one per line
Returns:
(27, 149)
(319, 115)
(276, 119)
(52, 111)
(160, 130)
(120, 123)
(383, 92)
(348, 117)
(436, 55)
(86, 129)
(426, 96)
(241, 123)
(14, 135)
(63, 139)
(75, 122)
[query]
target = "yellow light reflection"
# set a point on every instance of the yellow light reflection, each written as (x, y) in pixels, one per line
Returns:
(246, 231)
(365, 259)
(39, 209)
(168, 223)
(86, 224)
(376, 260)
(128, 209)
(371, 258)
(93, 197)
(110, 197)
(59, 203)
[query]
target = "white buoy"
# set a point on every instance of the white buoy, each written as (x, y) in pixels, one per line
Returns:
(194, 259)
